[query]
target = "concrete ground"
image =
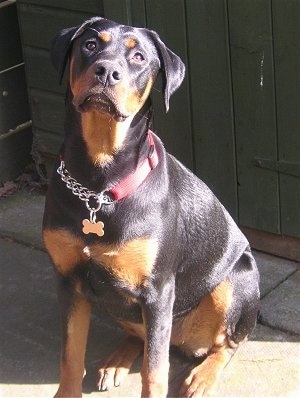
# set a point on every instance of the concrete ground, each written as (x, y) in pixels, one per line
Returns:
(266, 366)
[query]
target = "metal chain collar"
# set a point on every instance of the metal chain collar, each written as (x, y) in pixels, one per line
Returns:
(83, 193)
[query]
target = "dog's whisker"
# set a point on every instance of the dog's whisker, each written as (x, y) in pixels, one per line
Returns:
(143, 116)
(156, 89)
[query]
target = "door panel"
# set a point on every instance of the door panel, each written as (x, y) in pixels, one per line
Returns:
(286, 28)
(255, 115)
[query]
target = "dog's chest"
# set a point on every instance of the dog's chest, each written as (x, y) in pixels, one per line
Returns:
(115, 275)
(131, 263)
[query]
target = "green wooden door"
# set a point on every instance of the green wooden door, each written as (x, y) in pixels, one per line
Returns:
(265, 58)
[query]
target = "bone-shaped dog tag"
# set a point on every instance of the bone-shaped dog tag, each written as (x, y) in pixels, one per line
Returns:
(93, 228)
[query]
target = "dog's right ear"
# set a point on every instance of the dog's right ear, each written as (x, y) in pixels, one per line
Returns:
(60, 50)
(62, 44)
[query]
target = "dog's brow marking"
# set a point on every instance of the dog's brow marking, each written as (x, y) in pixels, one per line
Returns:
(105, 36)
(130, 42)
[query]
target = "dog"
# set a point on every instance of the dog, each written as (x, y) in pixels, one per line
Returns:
(131, 230)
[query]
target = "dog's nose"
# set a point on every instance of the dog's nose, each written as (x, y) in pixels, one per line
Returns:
(109, 73)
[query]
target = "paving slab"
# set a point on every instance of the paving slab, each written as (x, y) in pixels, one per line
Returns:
(29, 318)
(21, 217)
(273, 271)
(265, 366)
(280, 309)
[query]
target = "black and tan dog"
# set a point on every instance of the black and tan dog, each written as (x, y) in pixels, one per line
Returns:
(131, 230)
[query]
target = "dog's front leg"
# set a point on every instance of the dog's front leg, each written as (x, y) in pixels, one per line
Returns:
(157, 314)
(75, 311)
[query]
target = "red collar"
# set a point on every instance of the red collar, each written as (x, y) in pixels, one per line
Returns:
(130, 183)
(123, 189)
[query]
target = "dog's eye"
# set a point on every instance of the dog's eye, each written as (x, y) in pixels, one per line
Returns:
(138, 57)
(91, 45)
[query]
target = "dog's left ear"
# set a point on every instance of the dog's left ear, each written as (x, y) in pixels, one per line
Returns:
(173, 69)
(62, 44)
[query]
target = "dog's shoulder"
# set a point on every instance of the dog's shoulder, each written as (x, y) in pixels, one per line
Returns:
(210, 229)
(190, 191)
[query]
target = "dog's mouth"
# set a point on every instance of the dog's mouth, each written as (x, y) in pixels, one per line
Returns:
(102, 103)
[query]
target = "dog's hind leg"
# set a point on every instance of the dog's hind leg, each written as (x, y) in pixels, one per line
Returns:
(203, 334)
(223, 319)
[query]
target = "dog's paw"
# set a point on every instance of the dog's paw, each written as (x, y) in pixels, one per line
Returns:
(202, 379)
(111, 377)
(115, 368)
(196, 385)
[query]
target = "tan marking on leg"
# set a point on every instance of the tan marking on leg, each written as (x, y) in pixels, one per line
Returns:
(72, 360)
(205, 326)
(64, 248)
(204, 331)
(134, 329)
(131, 262)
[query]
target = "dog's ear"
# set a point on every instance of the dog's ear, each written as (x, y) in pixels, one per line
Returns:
(62, 44)
(60, 50)
(173, 69)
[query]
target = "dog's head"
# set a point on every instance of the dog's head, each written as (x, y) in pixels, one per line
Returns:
(113, 67)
